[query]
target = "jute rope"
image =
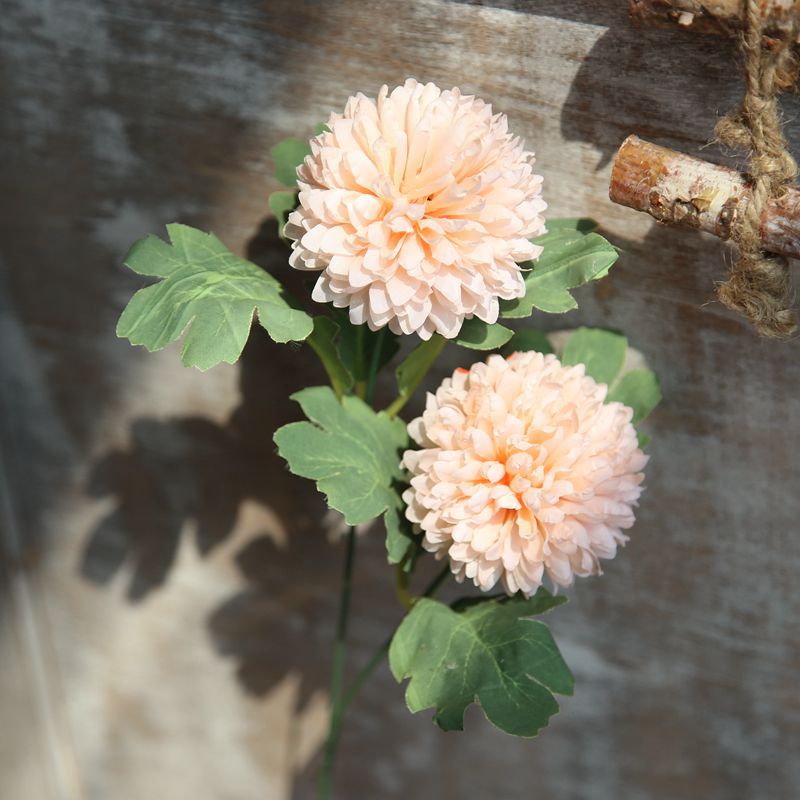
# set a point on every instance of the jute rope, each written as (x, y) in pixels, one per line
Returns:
(759, 285)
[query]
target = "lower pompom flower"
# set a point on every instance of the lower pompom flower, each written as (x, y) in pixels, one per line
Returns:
(524, 469)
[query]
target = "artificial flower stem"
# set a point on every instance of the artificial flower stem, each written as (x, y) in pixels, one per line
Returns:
(337, 673)
(414, 368)
(401, 588)
(361, 384)
(373, 365)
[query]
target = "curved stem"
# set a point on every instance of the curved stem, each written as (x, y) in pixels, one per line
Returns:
(355, 687)
(337, 675)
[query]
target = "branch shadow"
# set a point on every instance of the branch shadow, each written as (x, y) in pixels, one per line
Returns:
(628, 83)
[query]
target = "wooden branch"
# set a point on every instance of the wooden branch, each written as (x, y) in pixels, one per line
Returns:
(681, 190)
(721, 17)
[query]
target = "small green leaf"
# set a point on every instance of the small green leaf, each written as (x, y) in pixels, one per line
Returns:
(528, 339)
(638, 389)
(322, 341)
(478, 335)
(484, 651)
(281, 204)
(601, 351)
(643, 439)
(573, 255)
(208, 294)
(351, 452)
(288, 155)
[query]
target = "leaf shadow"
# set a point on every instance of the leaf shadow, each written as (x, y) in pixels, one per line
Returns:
(183, 476)
(282, 616)
(177, 474)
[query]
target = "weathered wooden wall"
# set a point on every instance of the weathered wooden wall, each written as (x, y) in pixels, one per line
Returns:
(168, 592)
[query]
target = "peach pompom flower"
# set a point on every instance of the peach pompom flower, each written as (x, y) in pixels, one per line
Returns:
(523, 470)
(416, 208)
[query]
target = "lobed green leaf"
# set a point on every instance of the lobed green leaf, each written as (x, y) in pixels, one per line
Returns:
(573, 255)
(486, 651)
(352, 452)
(207, 295)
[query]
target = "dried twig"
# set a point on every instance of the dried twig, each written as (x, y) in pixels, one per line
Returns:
(682, 190)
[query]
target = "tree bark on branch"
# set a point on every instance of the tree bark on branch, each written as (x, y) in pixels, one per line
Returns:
(682, 190)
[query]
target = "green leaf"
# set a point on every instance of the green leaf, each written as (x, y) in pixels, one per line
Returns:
(281, 204)
(528, 339)
(351, 452)
(208, 294)
(573, 255)
(288, 155)
(487, 652)
(601, 351)
(638, 389)
(322, 341)
(478, 335)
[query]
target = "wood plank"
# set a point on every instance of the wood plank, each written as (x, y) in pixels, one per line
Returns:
(182, 672)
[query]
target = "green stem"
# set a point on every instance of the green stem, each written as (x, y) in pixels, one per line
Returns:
(401, 587)
(337, 675)
(373, 365)
(381, 652)
(361, 385)
(414, 368)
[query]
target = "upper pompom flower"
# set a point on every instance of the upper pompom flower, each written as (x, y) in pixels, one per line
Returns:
(416, 208)
(523, 469)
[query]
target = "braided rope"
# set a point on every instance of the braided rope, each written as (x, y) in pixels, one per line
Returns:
(759, 284)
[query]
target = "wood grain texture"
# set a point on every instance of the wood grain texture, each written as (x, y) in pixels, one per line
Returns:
(184, 581)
